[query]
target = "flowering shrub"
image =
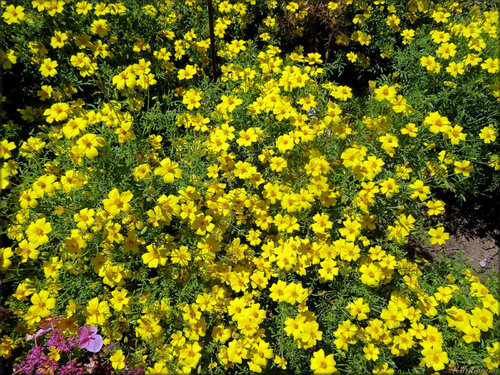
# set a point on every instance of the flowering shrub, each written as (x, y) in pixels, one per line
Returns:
(258, 223)
(54, 356)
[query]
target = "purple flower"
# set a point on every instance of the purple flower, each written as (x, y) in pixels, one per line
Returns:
(59, 341)
(72, 368)
(89, 339)
(34, 357)
(47, 366)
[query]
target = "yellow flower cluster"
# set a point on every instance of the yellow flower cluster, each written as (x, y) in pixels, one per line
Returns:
(263, 229)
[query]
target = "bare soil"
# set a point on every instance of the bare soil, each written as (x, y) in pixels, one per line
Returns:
(474, 227)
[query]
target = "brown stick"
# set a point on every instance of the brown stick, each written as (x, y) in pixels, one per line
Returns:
(212, 39)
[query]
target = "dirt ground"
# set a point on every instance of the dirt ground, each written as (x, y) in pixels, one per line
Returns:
(474, 227)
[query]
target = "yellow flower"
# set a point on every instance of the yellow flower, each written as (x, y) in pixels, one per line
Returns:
(125, 78)
(420, 190)
(440, 17)
(435, 357)
(437, 122)
(488, 134)
(482, 319)
(358, 309)
(187, 73)
(471, 334)
(309, 334)
(472, 59)
(408, 35)
(45, 92)
(321, 364)
(7, 58)
(435, 207)
(14, 14)
(192, 98)
(454, 134)
(37, 232)
(342, 93)
(117, 202)
(393, 22)
(97, 312)
(46, 184)
(54, 354)
(383, 369)
(118, 360)
(87, 145)
(247, 137)
(181, 256)
(169, 170)
(5, 254)
(48, 68)
(5, 148)
(229, 103)
(83, 7)
(446, 50)
(7, 344)
(389, 187)
(385, 92)
(42, 303)
(142, 172)
(120, 299)
(463, 167)
(27, 250)
(54, 6)
(351, 229)
(284, 143)
(156, 255)
(438, 236)
(491, 65)
(100, 27)
(393, 315)
(328, 269)
(57, 112)
(430, 63)
(74, 127)
(389, 143)
(455, 68)
(321, 223)
(371, 352)
(352, 57)
(439, 36)
(59, 39)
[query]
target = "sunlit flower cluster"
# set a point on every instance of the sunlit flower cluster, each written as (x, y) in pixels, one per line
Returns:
(258, 223)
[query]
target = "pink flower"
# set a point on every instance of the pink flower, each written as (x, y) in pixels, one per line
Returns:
(89, 339)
